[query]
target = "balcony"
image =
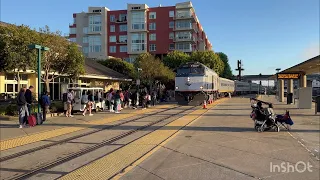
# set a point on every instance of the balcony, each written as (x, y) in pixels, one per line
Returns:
(184, 6)
(122, 42)
(185, 17)
(124, 21)
(185, 50)
(186, 28)
(185, 39)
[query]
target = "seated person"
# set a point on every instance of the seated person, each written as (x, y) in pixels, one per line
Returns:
(285, 119)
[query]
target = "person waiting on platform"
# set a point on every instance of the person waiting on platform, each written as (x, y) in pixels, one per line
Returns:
(89, 99)
(117, 102)
(45, 104)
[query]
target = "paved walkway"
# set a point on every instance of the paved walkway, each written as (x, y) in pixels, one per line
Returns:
(222, 144)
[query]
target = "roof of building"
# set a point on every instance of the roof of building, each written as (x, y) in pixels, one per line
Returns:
(93, 68)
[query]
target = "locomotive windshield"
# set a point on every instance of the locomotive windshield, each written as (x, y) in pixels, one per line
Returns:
(190, 70)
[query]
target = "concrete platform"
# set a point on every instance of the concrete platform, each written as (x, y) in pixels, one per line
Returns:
(222, 144)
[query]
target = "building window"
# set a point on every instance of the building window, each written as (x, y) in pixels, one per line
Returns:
(95, 23)
(122, 17)
(112, 28)
(138, 20)
(123, 28)
(152, 15)
(94, 44)
(73, 31)
(184, 24)
(112, 18)
(85, 40)
(112, 49)
(152, 37)
(85, 30)
(171, 46)
(184, 46)
(112, 39)
(171, 35)
(171, 13)
(138, 42)
(85, 50)
(183, 35)
(171, 24)
(123, 48)
(152, 26)
(152, 47)
(73, 39)
(123, 38)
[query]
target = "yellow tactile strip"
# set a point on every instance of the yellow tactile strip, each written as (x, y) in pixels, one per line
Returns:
(111, 164)
(20, 141)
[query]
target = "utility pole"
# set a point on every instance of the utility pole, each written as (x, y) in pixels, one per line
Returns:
(239, 68)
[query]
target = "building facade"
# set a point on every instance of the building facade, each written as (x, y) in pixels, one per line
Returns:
(138, 29)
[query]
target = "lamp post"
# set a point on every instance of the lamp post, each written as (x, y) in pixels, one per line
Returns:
(276, 82)
(40, 49)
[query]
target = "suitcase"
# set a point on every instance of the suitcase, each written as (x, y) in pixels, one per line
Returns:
(32, 121)
(39, 118)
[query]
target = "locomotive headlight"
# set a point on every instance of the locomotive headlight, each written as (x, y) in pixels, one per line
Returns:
(188, 79)
(201, 87)
(177, 87)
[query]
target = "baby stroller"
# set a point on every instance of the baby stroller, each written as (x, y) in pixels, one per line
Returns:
(264, 122)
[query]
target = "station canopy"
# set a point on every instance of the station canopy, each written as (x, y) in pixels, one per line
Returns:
(310, 66)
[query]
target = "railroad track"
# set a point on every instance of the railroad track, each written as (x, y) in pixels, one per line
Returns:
(94, 147)
(22, 153)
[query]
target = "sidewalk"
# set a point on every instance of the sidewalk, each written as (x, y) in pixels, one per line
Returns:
(304, 120)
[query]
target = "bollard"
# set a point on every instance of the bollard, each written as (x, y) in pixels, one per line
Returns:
(204, 104)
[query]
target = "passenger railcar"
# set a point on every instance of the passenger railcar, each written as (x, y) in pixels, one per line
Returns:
(196, 83)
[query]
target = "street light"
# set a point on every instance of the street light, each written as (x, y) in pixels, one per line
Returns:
(40, 49)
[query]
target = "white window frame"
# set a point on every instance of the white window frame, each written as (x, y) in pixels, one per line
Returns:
(73, 39)
(152, 47)
(85, 39)
(152, 37)
(171, 13)
(170, 46)
(73, 30)
(124, 46)
(85, 30)
(95, 22)
(138, 43)
(112, 28)
(112, 49)
(152, 15)
(151, 27)
(138, 20)
(94, 43)
(171, 35)
(122, 29)
(113, 38)
(112, 18)
(171, 22)
(123, 38)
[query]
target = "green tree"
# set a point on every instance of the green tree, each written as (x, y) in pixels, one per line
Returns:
(227, 73)
(63, 58)
(208, 58)
(120, 66)
(175, 58)
(153, 69)
(15, 55)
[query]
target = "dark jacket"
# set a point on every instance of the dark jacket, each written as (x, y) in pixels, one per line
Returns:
(21, 99)
(45, 100)
(28, 95)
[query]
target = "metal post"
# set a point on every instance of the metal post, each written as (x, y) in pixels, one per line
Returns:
(39, 79)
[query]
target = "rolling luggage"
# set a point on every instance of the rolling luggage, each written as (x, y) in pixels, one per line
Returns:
(32, 121)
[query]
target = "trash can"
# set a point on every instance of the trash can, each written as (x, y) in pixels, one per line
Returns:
(290, 98)
(317, 108)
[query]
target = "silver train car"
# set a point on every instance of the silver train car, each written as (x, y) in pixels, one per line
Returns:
(196, 83)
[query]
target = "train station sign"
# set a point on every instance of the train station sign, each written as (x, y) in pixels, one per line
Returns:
(288, 76)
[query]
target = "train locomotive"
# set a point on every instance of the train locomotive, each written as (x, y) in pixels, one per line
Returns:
(196, 83)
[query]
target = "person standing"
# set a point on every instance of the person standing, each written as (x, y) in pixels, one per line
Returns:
(70, 99)
(89, 103)
(28, 95)
(153, 98)
(45, 105)
(22, 107)
(111, 100)
(117, 100)
(121, 100)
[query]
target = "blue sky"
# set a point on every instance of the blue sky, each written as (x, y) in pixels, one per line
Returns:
(264, 34)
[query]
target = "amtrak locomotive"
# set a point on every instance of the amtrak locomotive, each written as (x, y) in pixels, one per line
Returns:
(196, 83)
